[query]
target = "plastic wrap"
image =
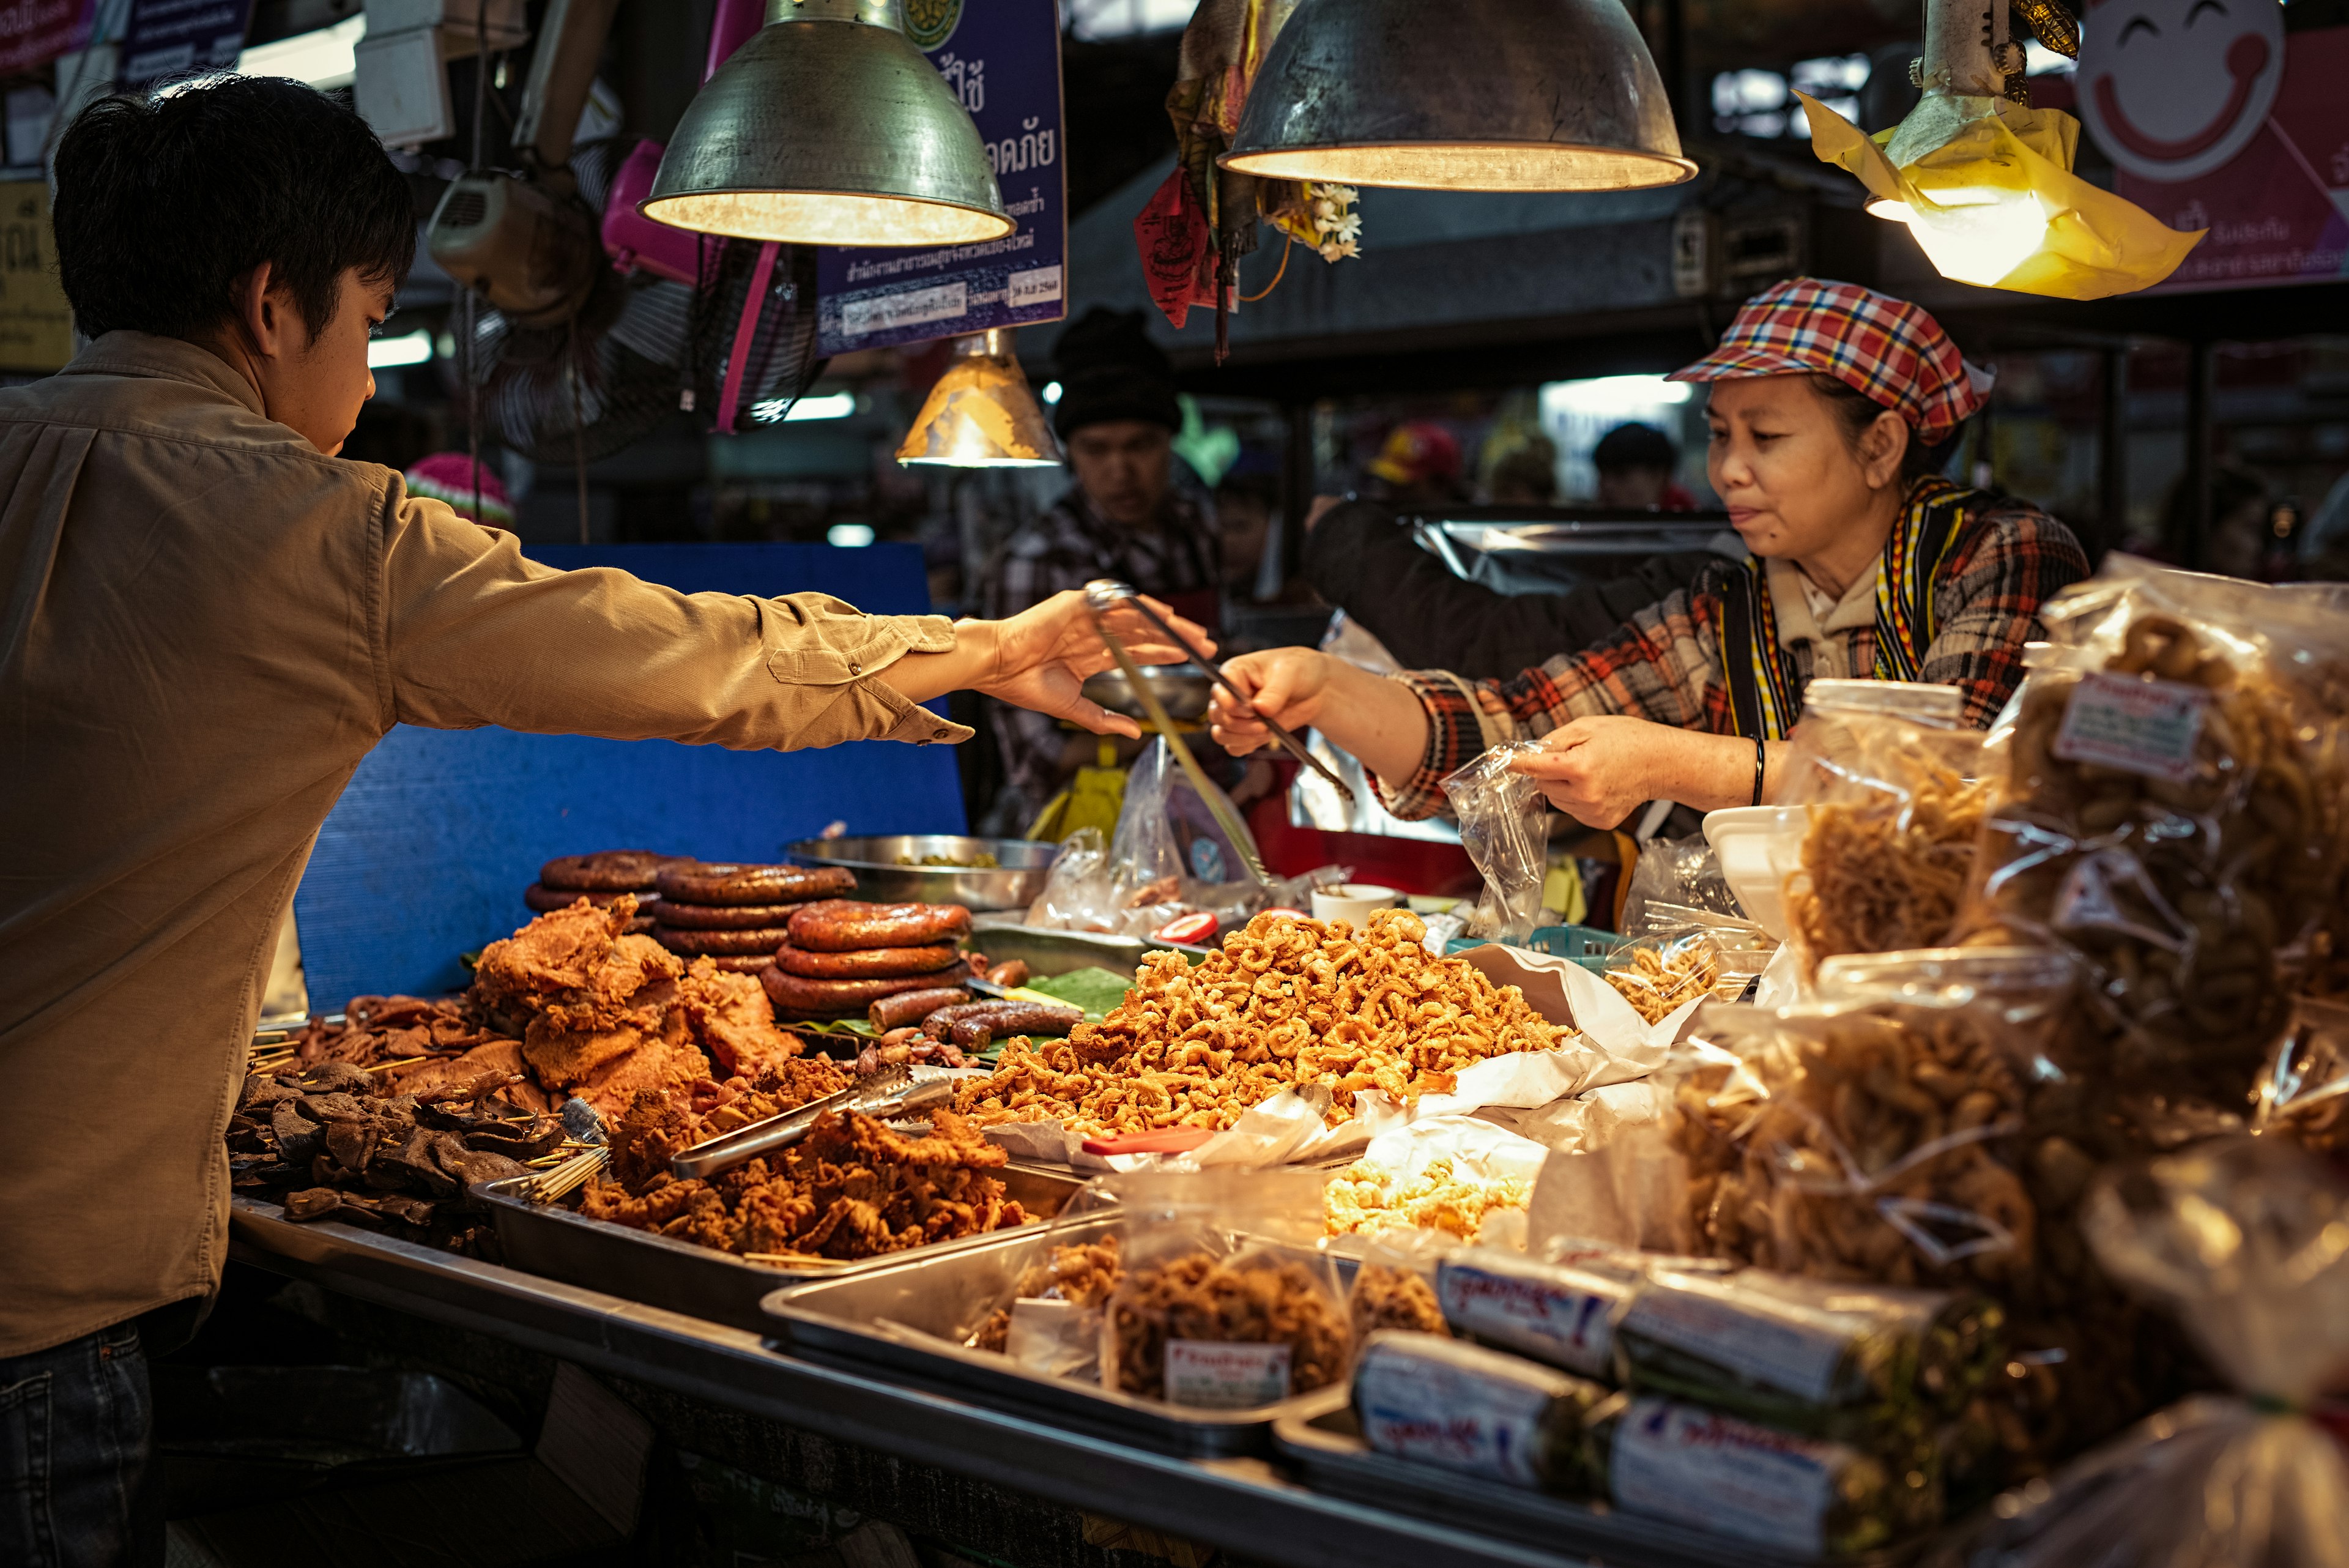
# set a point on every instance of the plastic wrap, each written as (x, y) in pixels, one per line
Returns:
(2175, 816)
(1053, 1322)
(1806, 1496)
(1504, 826)
(1226, 1303)
(2247, 1240)
(1674, 880)
(1447, 1173)
(1879, 1367)
(1895, 799)
(1395, 1283)
(1925, 1123)
(1661, 975)
(1439, 1402)
(2303, 1095)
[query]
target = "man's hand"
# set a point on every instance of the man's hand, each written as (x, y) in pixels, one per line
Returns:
(1598, 770)
(1042, 656)
(1285, 685)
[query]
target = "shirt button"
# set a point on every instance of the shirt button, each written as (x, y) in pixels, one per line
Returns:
(855, 667)
(939, 736)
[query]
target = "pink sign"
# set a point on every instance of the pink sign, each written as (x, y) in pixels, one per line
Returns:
(34, 32)
(2215, 117)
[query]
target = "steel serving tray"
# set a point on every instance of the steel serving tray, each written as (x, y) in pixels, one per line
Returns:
(911, 1314)
(1319, 1436)
(1046, 952)
(1012, 883)
(557, 1241)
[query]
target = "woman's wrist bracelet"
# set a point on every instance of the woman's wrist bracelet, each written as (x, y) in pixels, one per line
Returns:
(1759, 758)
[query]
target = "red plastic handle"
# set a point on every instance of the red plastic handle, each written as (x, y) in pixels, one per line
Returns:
(1167, 1140)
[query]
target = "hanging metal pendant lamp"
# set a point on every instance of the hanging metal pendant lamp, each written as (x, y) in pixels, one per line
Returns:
(829, 127)
(981, 414)
(1473, 94)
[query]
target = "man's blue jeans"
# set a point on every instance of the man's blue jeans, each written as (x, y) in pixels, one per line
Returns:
(79, 1487)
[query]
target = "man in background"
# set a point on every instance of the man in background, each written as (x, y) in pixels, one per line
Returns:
(1123, 518)
(1635, 464)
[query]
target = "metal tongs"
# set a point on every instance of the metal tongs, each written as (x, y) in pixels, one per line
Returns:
(891, 1093)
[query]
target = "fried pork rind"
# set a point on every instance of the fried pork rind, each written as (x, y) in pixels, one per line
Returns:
(2201, 892)
(1895, 806)
(1253, 1299)
(1287, 1002)
(1222, 1256)
(1364, 1199)
(1082, 1274)
(1386, 1296)
(1658, 975)
(1927, 1126)
(851, 1189)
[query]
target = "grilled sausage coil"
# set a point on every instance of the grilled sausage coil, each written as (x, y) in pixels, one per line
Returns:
(869, 963)
(845, 925)
(799, 995)
(701, 882)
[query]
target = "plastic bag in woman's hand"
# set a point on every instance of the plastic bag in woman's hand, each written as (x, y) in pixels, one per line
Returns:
(1504, 826)
(2247, 1241)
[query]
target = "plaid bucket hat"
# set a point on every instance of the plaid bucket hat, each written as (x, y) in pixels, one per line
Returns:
(1886, 350)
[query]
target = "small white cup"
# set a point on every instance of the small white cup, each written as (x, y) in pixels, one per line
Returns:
(1354, 901)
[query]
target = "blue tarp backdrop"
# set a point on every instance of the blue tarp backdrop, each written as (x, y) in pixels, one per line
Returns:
(428, 852)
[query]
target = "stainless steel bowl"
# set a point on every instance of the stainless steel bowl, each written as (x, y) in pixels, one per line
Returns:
(1183, 689)
(1013, 884)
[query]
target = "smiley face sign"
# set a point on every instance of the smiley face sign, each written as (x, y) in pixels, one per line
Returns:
(2172, 89)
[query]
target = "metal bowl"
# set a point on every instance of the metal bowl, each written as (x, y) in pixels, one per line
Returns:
(1013, 884)
(1183, 689)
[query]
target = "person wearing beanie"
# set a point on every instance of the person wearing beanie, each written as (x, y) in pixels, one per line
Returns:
(1635, 463)
(1122, 517)
(450, 477)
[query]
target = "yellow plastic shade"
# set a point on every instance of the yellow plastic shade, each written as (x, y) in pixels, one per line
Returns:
(1986, 185)
(980, 414)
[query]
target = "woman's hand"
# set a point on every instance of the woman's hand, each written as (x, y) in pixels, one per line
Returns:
(1598, 770)
(1287, 685)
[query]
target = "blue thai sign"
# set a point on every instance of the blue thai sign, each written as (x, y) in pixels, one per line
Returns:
(165, 37)
(1002, 58)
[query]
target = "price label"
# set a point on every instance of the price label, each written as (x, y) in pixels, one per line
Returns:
(2138, 726)
(1217, 1376)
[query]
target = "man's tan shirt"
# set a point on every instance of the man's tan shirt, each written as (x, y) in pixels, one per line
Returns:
(204, 625)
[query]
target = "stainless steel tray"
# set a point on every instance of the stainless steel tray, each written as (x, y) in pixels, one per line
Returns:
(1318, 1435)
(556, 1242)
(911, 1314)
(1012, 884)
(1046, 952)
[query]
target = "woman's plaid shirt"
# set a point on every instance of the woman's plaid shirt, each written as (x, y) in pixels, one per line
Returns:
(1665, 664)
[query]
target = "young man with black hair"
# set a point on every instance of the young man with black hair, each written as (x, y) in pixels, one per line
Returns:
(206, 620)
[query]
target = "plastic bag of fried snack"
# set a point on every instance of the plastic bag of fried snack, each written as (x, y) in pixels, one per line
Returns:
(2303, 1094)
(2242, 1239)
(2173, 813)
(1897, 799)
(1659, 976)
(1505, 828)
(1227, 1301)
(1925, 1124)
(1052, 1324)
(1394, 1284)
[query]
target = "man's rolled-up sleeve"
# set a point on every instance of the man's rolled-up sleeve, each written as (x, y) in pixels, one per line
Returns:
(472, 632)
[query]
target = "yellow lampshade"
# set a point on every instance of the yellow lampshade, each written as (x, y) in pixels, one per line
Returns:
(981, 413)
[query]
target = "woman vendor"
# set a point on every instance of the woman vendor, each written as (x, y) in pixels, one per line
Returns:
(1832, 409)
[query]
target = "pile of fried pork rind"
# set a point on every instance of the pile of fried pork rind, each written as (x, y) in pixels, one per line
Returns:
(1286, 1003)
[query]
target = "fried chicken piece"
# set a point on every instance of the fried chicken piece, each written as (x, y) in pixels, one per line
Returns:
(733, 1021)
(564, 1057)
(651, 1132)
(670, 1068)
(855, 1139)
(632, 983)
(554, 953)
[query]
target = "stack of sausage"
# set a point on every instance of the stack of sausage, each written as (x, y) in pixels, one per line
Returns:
(836, 957)
(602, 878)
(737, 916)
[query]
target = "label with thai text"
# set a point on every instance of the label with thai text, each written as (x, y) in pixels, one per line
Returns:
(1552, 1314)
(1216, 1375)
(1767, 1487)
(2136, 725)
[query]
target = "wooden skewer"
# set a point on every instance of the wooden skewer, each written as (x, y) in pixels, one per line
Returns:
(569, 1176)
